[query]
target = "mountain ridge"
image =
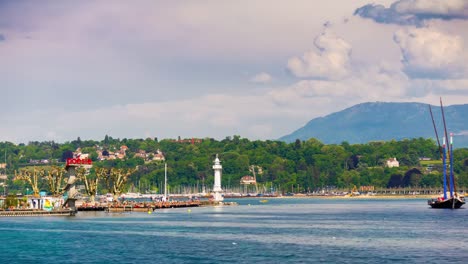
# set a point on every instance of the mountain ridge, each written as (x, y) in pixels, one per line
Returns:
(377, 121)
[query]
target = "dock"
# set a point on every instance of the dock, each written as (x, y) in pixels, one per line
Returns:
(138, 207)
(112, 208)
(148, 206)
(62, 212)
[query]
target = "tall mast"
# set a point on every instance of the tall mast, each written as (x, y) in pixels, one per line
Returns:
(165, 181)
(435, 130)
(444, 162)
(446, 136)
(452, 177)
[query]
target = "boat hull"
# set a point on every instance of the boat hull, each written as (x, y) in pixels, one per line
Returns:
(450, 203)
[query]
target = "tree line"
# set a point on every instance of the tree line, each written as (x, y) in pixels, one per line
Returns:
(301, 166)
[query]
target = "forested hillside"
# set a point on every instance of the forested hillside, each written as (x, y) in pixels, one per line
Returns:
(300, 166)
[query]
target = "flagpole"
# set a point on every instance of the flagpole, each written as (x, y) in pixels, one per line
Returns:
(165, 181)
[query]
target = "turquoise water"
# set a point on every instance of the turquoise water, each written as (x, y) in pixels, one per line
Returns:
(279, 231)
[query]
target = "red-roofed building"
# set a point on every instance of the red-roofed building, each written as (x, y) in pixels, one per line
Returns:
(247, 180)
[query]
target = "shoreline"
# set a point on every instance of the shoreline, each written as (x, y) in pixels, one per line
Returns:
(368, 197)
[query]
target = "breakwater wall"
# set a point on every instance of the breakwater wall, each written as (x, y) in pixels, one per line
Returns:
(64, 212)
(148, 206)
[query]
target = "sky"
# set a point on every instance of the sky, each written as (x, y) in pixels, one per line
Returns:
(215, 68)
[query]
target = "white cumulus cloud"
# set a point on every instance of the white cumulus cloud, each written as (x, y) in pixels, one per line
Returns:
(429, 53)
(369, 84)
(330, 59)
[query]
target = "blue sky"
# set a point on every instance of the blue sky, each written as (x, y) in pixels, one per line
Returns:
(258, 68)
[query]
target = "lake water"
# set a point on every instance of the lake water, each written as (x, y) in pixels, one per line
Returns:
(279, 231)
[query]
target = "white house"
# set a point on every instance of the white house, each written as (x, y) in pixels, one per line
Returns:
(393, 162)
(159, 156)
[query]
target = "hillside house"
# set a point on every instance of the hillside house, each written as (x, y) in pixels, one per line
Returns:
(110, 155)
(122, 152)
(392, 162)
(159, 156)
(141, 154)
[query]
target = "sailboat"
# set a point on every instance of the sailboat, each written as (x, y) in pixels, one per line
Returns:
(450, 199)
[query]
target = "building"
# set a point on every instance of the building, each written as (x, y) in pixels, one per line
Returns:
(141, 154)
(392, 162)
(122, 152)
(110, 155)
(247, 180)
(369, 188)
(159, 155)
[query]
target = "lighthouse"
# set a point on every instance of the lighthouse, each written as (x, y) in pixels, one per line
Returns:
(217, 180)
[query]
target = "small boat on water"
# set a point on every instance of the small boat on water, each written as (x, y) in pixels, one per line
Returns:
(450, 199)
(449, 203)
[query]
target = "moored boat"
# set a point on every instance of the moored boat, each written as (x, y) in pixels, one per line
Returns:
(450, 203)
(450, 199)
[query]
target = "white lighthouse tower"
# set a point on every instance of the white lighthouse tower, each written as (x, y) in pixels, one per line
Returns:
(217, 180)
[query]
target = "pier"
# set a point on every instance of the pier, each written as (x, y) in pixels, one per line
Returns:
(138, 207)
(62, 212)
(148, 206)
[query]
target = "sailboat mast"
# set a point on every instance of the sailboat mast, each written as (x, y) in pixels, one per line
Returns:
(446, 136)
(455, 201)
(444, 162)
(452, 177)
(435, 130)
(165, 181)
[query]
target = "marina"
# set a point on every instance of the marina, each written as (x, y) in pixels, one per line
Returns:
(70, 203)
